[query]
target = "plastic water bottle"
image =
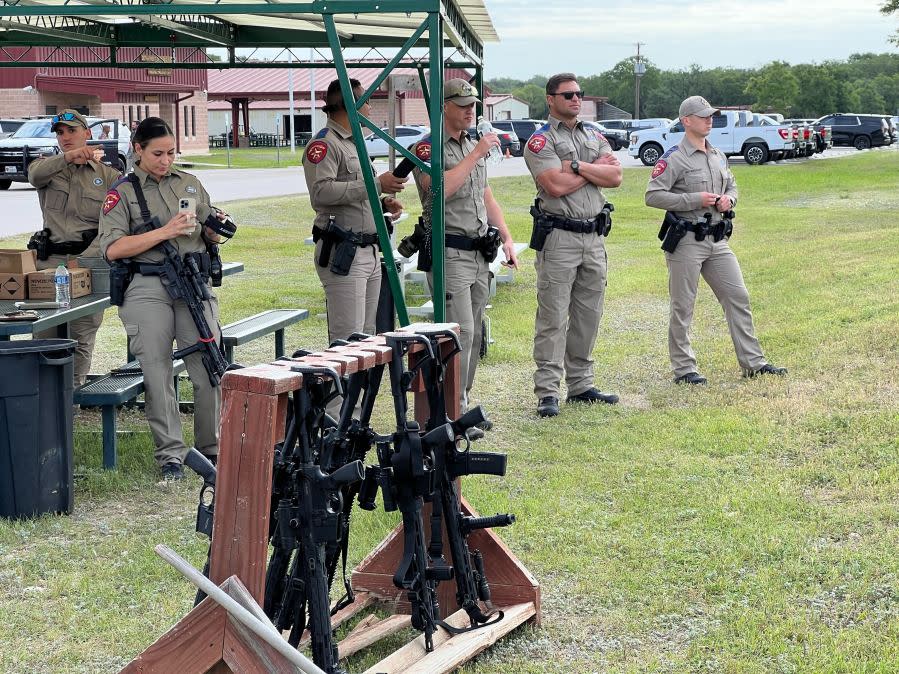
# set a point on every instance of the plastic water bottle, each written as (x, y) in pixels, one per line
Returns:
(61, 280)
(495, 156)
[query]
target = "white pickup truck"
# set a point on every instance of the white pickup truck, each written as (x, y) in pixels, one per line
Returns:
(733, 132)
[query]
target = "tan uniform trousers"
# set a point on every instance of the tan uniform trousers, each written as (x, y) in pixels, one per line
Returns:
(571, 285)
(718, 265)
(467, 280)
(82, 330)
(153, 321)
(352, 300)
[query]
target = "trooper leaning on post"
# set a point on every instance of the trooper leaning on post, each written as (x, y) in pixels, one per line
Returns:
(70, 188)
(570, 165)
(473, 222)
(693, 183)
(152, 319)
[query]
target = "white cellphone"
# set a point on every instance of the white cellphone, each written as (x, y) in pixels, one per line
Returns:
(188, 205)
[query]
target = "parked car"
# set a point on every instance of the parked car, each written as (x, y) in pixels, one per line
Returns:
(631, 125)
(9, 126)
(616, 137)
(523, 128)
(508, 140)
(755, 137)
(34, 139)
(858, 131)
(407, 136)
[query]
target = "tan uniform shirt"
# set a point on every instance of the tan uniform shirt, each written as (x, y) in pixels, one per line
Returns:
(554, 143)
(334, 179)
(682, 173)
(465, 212)
(121, 211)
(71, 195)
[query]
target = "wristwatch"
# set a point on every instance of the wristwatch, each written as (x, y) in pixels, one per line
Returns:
(576, 167)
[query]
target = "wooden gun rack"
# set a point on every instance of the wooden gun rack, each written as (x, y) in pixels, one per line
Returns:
(253, 419)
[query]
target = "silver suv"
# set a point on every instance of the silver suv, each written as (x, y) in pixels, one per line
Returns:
(34, 139)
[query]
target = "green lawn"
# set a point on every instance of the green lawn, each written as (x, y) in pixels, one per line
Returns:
(747, 526)
(249, 157)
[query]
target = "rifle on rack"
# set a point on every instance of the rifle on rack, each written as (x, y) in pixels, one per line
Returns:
(450, 464)
(306, 519)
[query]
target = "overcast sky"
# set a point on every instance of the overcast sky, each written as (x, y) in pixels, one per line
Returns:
(588, 36)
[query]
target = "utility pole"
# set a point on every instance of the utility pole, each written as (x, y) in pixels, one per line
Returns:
(639, 71)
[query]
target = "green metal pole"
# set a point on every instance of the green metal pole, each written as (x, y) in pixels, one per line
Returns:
(435, 111)
(368, 173)
(479, 83)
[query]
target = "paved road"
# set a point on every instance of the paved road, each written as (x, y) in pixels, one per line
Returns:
(21, 212)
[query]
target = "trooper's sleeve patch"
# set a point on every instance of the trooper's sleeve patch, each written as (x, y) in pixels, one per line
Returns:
(316, 151)
(112, 198)
(536, 143)
(423, 151)
(659, 168)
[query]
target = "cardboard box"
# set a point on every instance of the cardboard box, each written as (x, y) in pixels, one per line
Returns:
(41, 285)
(17, 261)
(13, 286)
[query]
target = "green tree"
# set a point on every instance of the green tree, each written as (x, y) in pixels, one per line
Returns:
(819, 90)
(774, 87)
(869, 97)
(535, 97)
(890, 7)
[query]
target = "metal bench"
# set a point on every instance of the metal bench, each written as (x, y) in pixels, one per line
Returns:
(110, 392)
(113, 390)
(264, 323)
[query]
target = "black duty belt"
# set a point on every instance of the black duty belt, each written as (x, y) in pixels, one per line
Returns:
(344, 235)
(463, 242)
(70, 247)
(573, 225)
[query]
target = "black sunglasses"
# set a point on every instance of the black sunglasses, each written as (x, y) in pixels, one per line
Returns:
(569, 94)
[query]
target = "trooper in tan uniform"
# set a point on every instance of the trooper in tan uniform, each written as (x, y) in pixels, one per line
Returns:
(692, 180)
(469, 206)
(337, 190)
(570, 165)
(70, 188)
(152, 319)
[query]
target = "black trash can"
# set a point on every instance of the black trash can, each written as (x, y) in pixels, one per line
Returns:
(36, 451)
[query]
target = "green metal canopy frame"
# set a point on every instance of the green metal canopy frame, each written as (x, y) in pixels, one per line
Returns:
(106, 26)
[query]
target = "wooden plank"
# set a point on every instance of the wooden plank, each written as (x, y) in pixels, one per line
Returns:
(347, 365)
(194, 644)
(250, 427)
(463, 647)
(365, 358)
(399, 661)
(382, 352)
(363, 600)
(363, 637)
(263, 379)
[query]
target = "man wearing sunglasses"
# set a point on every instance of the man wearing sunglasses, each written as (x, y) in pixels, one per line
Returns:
(71, 187)
(470, 214)
(570, 165)
(693, 181)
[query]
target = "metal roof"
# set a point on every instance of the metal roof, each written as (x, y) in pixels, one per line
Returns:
(105, 25)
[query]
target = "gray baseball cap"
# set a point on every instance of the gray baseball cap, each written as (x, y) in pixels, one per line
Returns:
(697, 105)
(460, 92)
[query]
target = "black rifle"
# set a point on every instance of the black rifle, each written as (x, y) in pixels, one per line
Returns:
(450, 464)
(206, 505)
(349, 440)
(184, 281)
(308, 517)
(405, 475)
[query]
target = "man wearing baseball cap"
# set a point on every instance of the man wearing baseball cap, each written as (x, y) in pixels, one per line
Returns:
(71, 187)
(470, 211)
(693, 182)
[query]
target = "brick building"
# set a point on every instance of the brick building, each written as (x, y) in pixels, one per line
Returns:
(176, 95)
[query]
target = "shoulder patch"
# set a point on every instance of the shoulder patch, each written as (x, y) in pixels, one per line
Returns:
(659, 168)
(671, 150)
(537, 142)
(423, 150)
(112, 198)
(316, 151)
(322, 133)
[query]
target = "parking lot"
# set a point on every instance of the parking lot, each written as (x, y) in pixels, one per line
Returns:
(23, 213)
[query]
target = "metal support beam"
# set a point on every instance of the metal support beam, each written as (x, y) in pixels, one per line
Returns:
(435, 114)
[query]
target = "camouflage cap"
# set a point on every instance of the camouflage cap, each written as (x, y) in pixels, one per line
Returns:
(460, 92)
(697, 105)
(69, 118)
